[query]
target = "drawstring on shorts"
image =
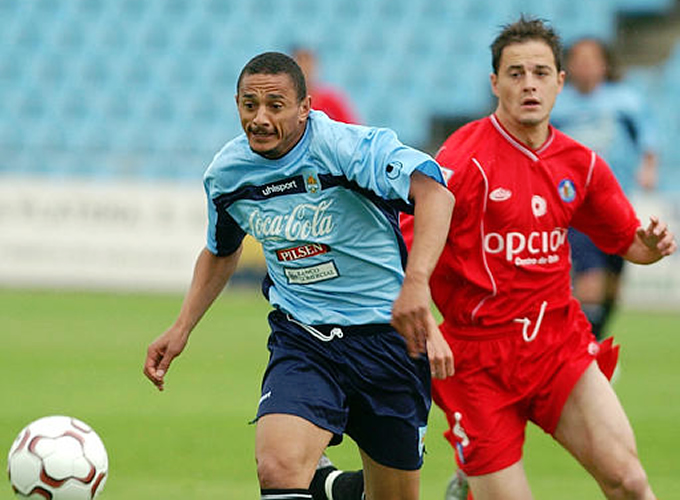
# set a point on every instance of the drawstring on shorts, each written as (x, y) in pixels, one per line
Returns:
(526, 322)
(335, 332)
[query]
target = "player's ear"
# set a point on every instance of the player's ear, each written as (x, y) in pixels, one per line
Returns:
(493, 78)
(561, 77)
(304, 108)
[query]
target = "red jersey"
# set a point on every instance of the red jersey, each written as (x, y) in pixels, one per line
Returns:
(507, 251)
(333, 103)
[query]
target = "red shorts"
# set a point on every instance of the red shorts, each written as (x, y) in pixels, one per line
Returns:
(502, 381)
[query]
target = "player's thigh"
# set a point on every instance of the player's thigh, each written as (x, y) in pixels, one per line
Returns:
(287, 449)
(389, 399)
(387, 483)
(594, 428)
(506, 484)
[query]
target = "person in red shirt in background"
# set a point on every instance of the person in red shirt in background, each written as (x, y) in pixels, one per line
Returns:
(523, 348)
(324, 97)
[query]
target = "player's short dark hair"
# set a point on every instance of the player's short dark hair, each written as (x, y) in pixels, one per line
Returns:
(524, 30)
(275, 63)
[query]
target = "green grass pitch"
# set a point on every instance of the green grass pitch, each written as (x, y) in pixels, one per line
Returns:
(81, 354)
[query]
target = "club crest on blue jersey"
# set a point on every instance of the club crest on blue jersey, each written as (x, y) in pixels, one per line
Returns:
(394, 169)
(312, 183)
(567, 190)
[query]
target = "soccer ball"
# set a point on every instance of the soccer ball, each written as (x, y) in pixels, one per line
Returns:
(58, 458)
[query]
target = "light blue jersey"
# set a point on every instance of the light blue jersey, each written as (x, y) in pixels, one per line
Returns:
(613, 122)
(326, 215)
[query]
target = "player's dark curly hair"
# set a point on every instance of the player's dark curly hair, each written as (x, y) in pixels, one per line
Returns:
(274, 63)
(524, 30)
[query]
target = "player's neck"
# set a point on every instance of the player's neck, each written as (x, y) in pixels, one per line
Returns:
(532, 135)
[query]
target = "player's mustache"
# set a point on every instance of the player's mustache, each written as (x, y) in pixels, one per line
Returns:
(259, 130)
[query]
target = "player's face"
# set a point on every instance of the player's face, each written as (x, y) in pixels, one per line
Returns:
(587, 66)
(527, 84)
(271, 115)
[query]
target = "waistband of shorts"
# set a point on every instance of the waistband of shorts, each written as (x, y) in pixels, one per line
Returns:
(500, 330)
(332, 330)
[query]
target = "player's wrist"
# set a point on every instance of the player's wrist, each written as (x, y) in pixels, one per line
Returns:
(417, 277)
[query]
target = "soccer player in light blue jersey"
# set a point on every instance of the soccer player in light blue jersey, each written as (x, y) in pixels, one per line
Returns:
(611, 118)
(351, 326)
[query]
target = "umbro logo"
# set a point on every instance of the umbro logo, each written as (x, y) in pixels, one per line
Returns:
(500, 194)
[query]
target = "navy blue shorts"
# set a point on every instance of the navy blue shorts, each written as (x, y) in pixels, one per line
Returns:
(585, 256)
(356, 380)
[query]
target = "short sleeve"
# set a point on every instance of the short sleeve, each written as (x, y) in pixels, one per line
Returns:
(224, 234)
(382, 164)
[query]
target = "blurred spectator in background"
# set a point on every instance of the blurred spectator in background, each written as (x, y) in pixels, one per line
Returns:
(609, 117)
(324, 97)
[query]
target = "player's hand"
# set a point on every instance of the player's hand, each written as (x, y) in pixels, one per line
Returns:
(411, 314)
(657, 238)
(161, 353)
(439, 354)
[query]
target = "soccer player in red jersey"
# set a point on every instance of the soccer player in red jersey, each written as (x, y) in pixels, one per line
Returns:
(524, 350)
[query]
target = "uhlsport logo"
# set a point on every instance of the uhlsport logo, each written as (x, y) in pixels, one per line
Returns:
(281, 187)
(567, 190)
(394, 169)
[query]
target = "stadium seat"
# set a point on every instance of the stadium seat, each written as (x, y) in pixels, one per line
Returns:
(644, 6)
(151, 82)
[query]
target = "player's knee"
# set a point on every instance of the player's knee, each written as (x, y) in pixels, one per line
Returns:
(274, 471)
(635, 484)
(629, 481)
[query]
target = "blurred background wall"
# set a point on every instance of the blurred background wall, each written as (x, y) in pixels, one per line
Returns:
(110, 110)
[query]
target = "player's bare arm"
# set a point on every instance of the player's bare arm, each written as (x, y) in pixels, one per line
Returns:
(211, 274)
(652, 243)
(411, 314)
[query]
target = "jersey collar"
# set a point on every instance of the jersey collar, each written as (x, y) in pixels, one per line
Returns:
(517, 144)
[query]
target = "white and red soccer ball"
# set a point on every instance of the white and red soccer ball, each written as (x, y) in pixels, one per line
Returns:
(57, 458)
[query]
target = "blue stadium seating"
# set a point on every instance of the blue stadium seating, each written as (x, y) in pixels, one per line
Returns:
(145, 88)
(643, 6)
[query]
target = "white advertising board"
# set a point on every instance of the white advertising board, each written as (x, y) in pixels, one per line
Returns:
(99, 235)
(146, 236)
